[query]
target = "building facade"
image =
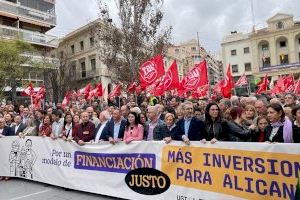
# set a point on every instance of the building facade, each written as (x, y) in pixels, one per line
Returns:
(189, 53)
(273, 50)
(29, 20)
(79, 54)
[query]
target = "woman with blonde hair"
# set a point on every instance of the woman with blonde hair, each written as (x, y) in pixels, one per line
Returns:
(249, 115)
(166, 131)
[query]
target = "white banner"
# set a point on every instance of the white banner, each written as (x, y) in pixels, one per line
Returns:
(200, 171)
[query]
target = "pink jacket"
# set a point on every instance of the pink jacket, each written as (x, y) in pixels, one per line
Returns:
(136, 134)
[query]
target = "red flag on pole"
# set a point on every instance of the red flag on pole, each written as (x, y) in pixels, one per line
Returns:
(115, 92)
(228, 84)
(242, 81)
(169, 81)
(132, 87)
(297, 86)
(218, 87)
(42, 92)
(195, 78)
(289, 83)
(96, 92)
(29, 90)
(85, 91)
(151, 70)
(201, 91)
(263, 85)
(66, 99)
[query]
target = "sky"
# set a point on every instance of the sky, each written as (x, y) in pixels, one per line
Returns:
(212, 19)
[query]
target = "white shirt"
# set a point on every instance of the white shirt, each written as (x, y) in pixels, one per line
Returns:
(57, 128)
(16, 128)
(98, 135)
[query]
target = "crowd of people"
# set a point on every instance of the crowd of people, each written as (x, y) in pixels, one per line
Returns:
(254, 118)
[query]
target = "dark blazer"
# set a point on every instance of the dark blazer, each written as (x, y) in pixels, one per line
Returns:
(277, 138)
(108, 130)
(296, 134)
(238, 133)
(80, 128)
(196, 130)
(146, 128)
(102, 137)
(20, 128)
(8, 131)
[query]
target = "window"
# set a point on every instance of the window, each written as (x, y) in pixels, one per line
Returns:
(233, 52)
(193, 48)
(279, 25)
(81, 46)
(265, 47)
(92, 42)
(235, 69)
(83, 70)
(73, 71)
(284, 59)
(93, 64)
(72, 49)
(266, 62)
(247, 67)
(282, 44)
(246, 50)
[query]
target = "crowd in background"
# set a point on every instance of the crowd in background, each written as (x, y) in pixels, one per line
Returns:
(255, 118)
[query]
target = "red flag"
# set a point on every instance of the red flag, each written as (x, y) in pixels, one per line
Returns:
(29, 90)
(169, 81)
(85, 91)
(96, 92)
(151, 70)
(242, 81)
(263, 85)
(66, 99)
(132, 87)
(42, 92)
(228, 84)
(297, 87)
(201, 91)
(138, 89)
(195, 78)
(218, 87)
(115, 92)
(289, 83)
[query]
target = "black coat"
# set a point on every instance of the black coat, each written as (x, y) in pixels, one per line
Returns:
(162, 131)
(238, 133)
(108, 130)
(277, 138)
(217, 129)
(296, 134)
(196, 130)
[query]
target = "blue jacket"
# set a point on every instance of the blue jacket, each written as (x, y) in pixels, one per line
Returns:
(8, 131)
(196, 130)
(108, 130)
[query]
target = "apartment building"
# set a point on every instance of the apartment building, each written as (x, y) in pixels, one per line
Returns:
(189, 53)
(29, 20)
(79, 53)
(274, 49)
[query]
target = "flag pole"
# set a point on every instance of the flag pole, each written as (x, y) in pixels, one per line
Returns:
(208, 78)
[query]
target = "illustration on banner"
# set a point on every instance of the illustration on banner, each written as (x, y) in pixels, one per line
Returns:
(22, 159)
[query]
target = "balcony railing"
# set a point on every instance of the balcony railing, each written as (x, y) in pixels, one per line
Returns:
(28, 36)
(89, 74)
(277, 67)
(26, 12)
(47, 61)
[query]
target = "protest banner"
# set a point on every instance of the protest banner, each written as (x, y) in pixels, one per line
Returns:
(155, 170)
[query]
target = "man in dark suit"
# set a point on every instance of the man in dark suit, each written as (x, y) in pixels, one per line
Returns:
(19, 126)
(190, 128)
(5, 130)
(85, 131)
(115, 128)
(39, 114)
(104, 118)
